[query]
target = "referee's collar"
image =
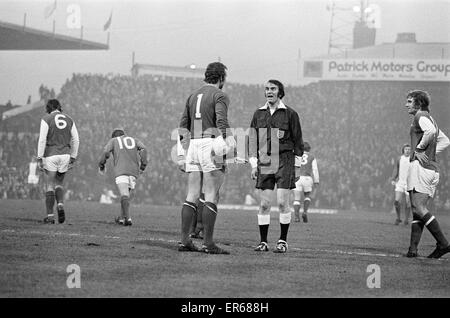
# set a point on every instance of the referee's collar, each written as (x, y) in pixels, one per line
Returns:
(281, 105)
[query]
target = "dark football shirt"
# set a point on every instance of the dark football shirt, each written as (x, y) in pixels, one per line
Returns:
(416, 136)
(126, 152)
(59, 134)
(205, 115)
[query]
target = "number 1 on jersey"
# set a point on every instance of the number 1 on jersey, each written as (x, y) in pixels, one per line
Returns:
(198, 115)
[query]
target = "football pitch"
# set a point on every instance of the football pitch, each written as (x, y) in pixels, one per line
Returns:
(334, 255)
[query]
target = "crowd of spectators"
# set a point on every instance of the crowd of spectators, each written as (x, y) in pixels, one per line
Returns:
(356, 130)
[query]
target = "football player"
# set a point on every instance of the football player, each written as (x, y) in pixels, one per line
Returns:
(427, 140)
(129, 161)
(57, 151)
(308, 172)
(196, 230)
(204, 133)
(399, 181)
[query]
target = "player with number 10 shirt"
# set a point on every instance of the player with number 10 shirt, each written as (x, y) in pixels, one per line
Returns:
(129, 160)
(126, 152)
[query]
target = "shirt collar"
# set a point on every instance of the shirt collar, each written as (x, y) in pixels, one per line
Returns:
(281, 105)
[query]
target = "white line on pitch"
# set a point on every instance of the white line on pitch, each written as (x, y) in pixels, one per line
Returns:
(359, 253)
(176, 241)
(59, 234)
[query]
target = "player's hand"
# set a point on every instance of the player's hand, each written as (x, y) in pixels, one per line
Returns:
(40, 164)
(71, 162)
(231, 142)
(142, 169)
(297, 173)
(254, 173)
(421, 157)
(181, 163)
(298, 161)
(314, 191)
(101, 170)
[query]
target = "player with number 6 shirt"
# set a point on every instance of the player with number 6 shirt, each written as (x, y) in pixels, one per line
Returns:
(57, 151)
(129, 161)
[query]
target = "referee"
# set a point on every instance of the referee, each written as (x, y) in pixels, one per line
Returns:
(275, 139)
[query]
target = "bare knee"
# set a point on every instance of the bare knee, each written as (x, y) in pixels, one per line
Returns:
(211, 196)
(264, 207)
(282, 206)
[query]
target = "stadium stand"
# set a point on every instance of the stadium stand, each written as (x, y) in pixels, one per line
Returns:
(355, 142)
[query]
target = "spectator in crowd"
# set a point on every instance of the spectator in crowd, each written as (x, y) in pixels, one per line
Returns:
(352, 177)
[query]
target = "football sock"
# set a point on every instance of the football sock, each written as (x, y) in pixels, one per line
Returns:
(125, 205)
(263, 222)
(433, 226)
(285, 220)
(397, 208)
(306, 203)
(416, 232)
(297, 205)
(49, 201)
(194, 220)
(199, 225)
(187, 212)
(59, 194)
(209, 214)
(131, 195)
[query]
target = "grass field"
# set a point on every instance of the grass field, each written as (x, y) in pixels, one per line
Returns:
(327, 257)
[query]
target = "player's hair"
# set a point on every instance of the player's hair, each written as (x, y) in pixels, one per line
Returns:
(280, 87)
(306, 146)
(215, 72)
(53, 104)
(117, 132)
(404, 146)
(421, 98)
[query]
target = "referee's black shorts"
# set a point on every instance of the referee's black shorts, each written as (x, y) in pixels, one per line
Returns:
(284, 177)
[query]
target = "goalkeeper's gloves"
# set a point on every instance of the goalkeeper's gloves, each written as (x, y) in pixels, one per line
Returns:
(101, 169)
(182, 163)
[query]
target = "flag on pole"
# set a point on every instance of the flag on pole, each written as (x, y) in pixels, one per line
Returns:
(108, 23)
(49, 10)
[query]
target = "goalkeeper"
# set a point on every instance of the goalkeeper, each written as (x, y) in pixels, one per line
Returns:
(203, 133)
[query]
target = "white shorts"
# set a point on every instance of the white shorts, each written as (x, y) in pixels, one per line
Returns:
(58, 163)
(33, 179)
(199, 156)
(400, 186)
(130, 180)
(305, 184)
(422, 180)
